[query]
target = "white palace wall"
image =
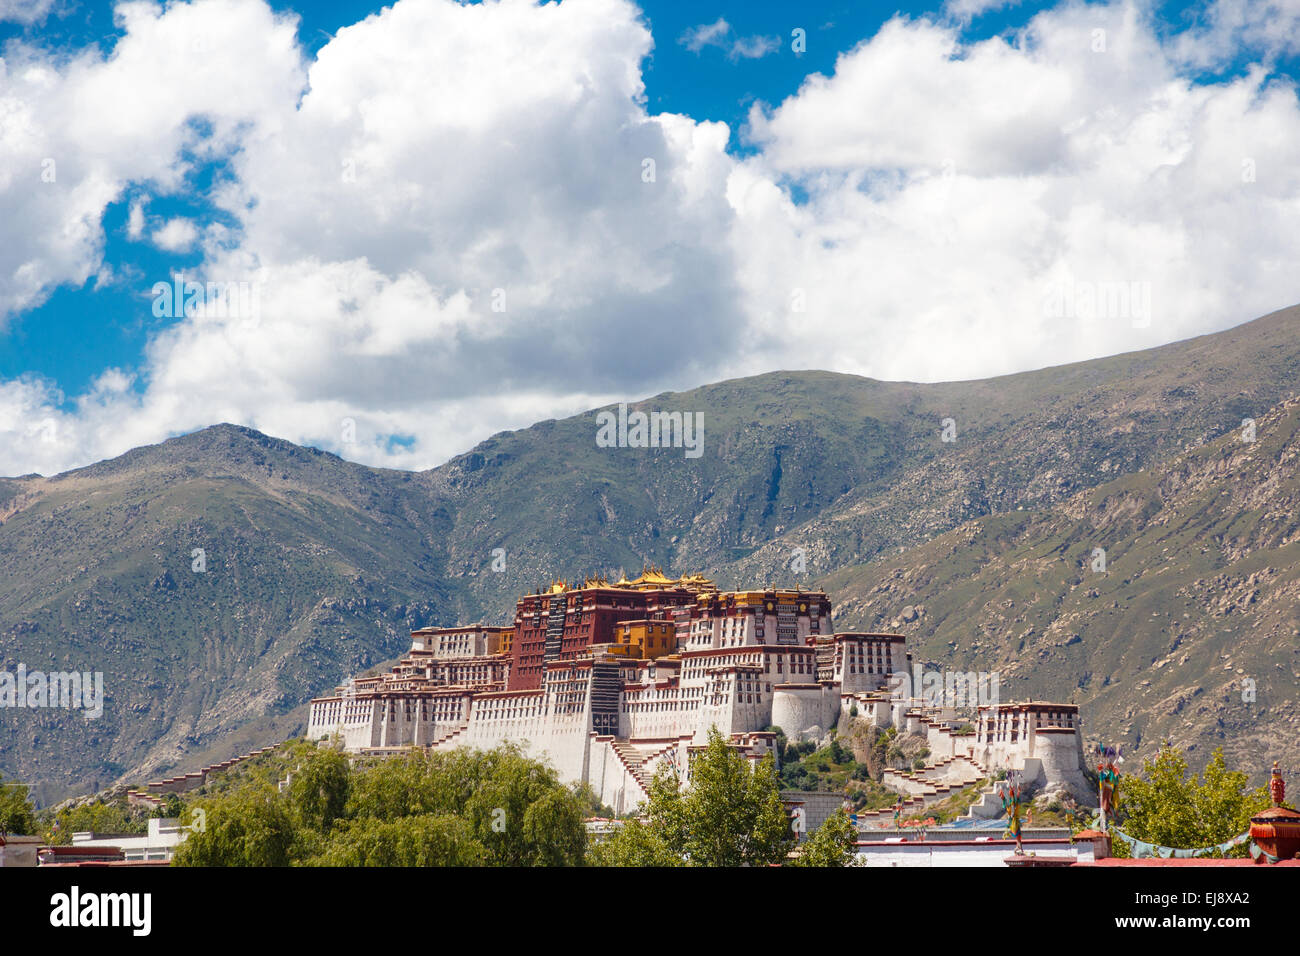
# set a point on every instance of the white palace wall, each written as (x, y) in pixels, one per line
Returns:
(722, 676)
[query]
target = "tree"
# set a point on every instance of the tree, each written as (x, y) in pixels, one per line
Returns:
(554, 831)
(831, 844)
(319, 789)
(634, 844)
(96, 816)
(733, 812)
(731, 815)
(171, 807)
(455, 808)
(424, 840)
(245, 828)
(17, 815)
(1171, 807)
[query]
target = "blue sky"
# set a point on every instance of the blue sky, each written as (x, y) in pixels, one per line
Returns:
(708, 63)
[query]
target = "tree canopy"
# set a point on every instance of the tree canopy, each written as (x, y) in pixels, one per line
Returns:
(1167, 805)
(446, 808)
(17, 815)
(730, 815)
(831, 844)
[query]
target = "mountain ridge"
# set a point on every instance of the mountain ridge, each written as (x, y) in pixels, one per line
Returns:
(317, 566)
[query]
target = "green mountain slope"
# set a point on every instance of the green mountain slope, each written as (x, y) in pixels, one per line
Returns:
(316, 567)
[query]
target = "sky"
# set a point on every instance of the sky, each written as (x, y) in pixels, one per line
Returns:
(396, 230)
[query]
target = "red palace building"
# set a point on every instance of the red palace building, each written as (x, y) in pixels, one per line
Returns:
(561, 622)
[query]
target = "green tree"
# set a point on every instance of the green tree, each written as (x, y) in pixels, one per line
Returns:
(251, 827)
(319, 789)
(831, 844)
(634, 844)
(171, 807)
(733, 812)
(424, 840)
(17, 815)
(516, 807)
(1169, 806)
(731, 815)
(97, 816)
(461, 808)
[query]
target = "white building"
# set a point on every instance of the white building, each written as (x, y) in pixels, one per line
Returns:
(159, 843)
(607, 716)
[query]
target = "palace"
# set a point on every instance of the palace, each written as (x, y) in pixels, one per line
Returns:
(611, 681)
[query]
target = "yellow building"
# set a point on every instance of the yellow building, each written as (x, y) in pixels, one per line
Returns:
(644, 640)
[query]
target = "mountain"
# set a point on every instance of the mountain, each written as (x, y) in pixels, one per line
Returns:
(311, 567)
(316, 567)
(1187, 628)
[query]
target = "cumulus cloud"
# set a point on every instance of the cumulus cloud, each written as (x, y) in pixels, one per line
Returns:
(970, 204)
(74, 133)
(135, 220)
(754, 48)
(444, 246)
(175, 235)
(458, 219)
(1226, 28)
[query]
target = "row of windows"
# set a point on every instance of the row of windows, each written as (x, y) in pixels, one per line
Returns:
(800, 664)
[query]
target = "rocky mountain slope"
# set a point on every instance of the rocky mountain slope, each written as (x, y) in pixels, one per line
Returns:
(1166, 602)
(315, 567)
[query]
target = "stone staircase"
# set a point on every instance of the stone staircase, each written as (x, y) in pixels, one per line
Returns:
(987, 807)
(634, 760)
(874, 819)
(959, 771)
(637, 758)
(936, 781)
(449, 737)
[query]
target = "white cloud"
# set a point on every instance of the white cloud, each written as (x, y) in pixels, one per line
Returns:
(754, 48)
(697, 38)
(957, 191)
(970, 9)
(175, 235)
(446, 245)
(1225, 28)
(135, 220)
(449, 225)
(25, 11)
(720, 34)
(73, 133)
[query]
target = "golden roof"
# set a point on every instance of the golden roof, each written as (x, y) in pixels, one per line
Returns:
(651, 578)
